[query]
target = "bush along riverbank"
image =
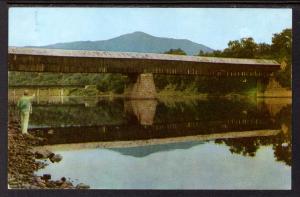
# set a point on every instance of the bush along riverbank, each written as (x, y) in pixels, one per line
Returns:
(23, 161)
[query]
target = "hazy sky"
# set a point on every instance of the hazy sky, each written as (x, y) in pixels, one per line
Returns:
(211, 27)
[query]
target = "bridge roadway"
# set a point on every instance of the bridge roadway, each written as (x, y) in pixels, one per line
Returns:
(139, 66)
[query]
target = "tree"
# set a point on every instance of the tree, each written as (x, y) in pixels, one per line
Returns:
(282, 50)
(243, 48)
(178, 51)
(263, 51)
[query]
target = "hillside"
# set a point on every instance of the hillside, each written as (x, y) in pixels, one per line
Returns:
(134, 42)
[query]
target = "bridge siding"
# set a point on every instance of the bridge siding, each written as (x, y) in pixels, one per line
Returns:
(30, 63)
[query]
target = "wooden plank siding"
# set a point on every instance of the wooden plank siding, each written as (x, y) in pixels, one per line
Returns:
(67, 61)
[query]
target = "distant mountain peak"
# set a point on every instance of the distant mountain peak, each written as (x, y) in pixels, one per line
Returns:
(140, 32)
(136, 34)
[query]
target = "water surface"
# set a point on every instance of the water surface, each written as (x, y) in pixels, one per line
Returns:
(149, 144)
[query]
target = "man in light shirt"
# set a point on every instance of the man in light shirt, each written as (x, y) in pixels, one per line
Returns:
(25, 108)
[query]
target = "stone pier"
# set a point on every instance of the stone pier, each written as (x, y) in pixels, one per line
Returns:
(144, 110)
(140, 86)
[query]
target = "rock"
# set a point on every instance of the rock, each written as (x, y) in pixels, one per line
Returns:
(82, 186)
(63, 179)
(34, 187)
(56, 158)
(46, 177)
(41, 184)
(40, 139)
(28, 136)
(69, 183)
(284, 144)
(43, 154)
(51, 132)
(59, 183)
(64, 185)
(27, 186)
(50, 184)
(13, 183)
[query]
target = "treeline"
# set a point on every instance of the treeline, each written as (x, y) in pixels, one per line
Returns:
(280, 50)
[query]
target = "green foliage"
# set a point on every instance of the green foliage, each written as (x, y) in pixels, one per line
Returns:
(280, 50)
(246, 48)
(201, 84)
(104, 82)
(178, 51)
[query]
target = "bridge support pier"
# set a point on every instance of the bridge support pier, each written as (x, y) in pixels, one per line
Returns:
(140, 86)
(143, 110)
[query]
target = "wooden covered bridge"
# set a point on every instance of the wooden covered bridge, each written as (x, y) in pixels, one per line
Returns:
(139, 66)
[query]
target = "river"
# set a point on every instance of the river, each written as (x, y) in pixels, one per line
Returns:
(167, 144)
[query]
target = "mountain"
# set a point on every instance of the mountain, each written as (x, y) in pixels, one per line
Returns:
(134, 42)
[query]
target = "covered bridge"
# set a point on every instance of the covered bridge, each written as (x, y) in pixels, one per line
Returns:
(140, 65)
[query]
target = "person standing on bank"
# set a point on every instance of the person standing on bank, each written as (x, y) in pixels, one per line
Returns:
(25, 109)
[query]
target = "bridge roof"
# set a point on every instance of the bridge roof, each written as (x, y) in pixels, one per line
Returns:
(137, 56)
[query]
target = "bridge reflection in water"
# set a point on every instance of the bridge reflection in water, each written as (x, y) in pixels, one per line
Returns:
(104, 120)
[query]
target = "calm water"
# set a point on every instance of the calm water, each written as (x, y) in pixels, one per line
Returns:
(194, 144)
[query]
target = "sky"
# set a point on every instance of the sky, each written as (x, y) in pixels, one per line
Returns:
(213, 27)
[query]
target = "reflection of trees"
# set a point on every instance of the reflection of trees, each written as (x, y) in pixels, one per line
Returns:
(281, 143)
(284, 153)
(207, 110)
(212, 114)
(243, 146)
(112, 112)
(104, 113)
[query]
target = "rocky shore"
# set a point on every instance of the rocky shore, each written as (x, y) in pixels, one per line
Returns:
(23, 161)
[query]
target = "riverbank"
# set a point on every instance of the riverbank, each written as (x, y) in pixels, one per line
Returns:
(165, 93)
(276, 93)
(269, 93)
(22, 163)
